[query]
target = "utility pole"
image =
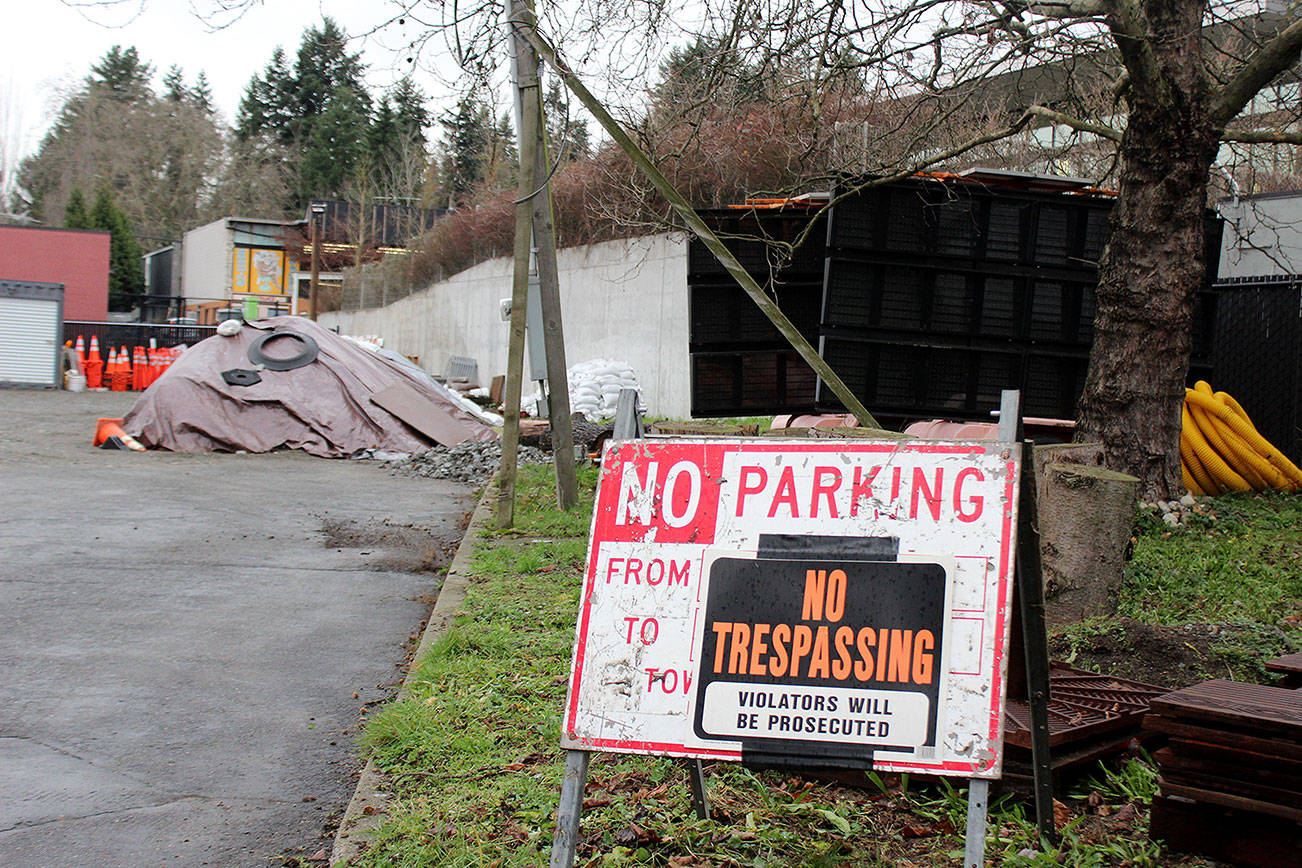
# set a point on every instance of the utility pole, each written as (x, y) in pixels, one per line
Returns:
(549, 294)
(526, 82)
(317, 210)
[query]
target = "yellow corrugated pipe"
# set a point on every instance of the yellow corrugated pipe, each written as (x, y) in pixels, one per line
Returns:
(1220, 450)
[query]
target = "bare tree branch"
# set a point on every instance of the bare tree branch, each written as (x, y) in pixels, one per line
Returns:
(1263, 137)
(1075, 123)
(1277, 55)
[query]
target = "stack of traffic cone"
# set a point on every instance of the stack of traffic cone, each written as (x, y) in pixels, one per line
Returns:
(81, 352)
(124, 365)
(138, 371)
(94, 366)
(117, 377)
(111, 368)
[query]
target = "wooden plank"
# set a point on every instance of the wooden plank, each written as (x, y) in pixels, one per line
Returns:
(422, 414)
(1237, 754)
(1226, 835)
(1255, 708)
(1229, 800)
(1278, 787)
(1289, 666)
(1212, 735)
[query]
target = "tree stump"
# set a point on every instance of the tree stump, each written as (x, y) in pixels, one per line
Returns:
(1086, 516)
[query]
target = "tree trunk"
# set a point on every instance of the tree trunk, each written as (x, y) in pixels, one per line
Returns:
(1153, 262)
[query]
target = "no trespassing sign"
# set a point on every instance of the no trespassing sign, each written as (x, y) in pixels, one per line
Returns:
(844, 602)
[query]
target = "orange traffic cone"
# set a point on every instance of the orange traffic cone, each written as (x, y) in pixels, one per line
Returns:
(94, 366)
(109, 435)
(81, 351)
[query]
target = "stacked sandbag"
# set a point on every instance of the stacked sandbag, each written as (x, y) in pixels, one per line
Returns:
(595, 386)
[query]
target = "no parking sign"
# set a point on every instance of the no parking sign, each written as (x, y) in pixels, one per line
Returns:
(845, 601)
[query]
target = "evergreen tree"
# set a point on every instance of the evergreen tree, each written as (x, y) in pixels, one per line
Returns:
(122, 76)
(567, 136)
(320, 110)
(383, 140)
(411, 116)
(126, 274)
(468, 135)
(201, 94)
(396, 152)
(75, 215)
(335, 146)
(267, 107)
(174, 85)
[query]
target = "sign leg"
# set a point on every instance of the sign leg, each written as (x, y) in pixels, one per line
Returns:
(1035, 642)
(566, 838)
(700, 799)
(978, 799)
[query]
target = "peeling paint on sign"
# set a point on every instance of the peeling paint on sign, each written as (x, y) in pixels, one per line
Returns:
(840, 599)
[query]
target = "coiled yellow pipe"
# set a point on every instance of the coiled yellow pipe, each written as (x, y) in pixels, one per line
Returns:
(1220, 449)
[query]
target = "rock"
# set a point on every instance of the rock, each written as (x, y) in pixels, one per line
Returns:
(1188, 500)
(1171, 518)
(470, 462)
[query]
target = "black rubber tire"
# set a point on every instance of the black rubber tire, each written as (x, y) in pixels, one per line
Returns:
(306, 356)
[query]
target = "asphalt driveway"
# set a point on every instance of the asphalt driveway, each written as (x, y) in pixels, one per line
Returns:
(187, 642)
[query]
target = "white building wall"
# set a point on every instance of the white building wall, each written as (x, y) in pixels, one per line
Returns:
(1263, 235)
(206, 262)
(621, 300)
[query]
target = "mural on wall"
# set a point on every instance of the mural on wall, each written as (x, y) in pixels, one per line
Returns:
(259, 270)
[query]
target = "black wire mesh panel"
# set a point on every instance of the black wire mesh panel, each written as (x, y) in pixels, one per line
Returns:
(1257, 355)
(751, 383)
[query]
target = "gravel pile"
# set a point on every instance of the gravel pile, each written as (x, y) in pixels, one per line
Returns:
(470, 462)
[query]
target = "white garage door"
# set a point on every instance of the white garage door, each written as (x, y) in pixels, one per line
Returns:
(29, 330)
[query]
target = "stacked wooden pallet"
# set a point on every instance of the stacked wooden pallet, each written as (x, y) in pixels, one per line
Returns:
(1231, 776)
(1091, 717)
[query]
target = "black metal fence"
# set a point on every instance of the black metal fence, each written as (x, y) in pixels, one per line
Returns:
(135, 334)
(1258, 354)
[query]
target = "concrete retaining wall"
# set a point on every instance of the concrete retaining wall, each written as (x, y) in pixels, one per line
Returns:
(621, 300)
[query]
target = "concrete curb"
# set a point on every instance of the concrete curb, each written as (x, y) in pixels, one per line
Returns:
(369, 804)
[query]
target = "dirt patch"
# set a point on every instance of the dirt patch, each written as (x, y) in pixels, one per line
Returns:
(395, 546)
(1167, 656)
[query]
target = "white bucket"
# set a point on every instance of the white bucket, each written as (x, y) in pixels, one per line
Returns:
(74, 382)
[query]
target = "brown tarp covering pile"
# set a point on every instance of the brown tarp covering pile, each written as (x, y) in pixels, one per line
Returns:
(323, 407)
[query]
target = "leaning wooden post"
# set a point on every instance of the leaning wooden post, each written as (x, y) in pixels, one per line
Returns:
(549, 291)
(528, 90)
(702, 231)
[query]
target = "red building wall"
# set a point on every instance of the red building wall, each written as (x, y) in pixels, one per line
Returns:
(77, 258)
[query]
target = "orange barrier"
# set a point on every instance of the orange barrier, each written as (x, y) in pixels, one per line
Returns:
(109, 435)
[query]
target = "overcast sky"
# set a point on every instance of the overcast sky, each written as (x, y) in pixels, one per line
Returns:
(48, 46)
